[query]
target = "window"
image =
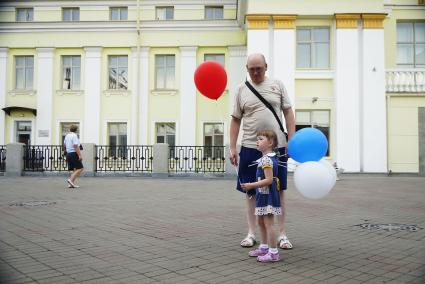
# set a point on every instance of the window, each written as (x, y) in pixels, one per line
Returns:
(71, 66)
(166, 133)
(118, 72)
(213, 136)
(315, 118)
(214, 12)
(411, 44)
(64, 129)
(164, 13)
(117, 139)
(71, 14)
(215, 57)
(24, 14)
(23, 132)
(119, 13)
(24, 72)
(313, 48)
(164, 71)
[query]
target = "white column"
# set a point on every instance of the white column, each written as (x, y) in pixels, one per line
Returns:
(44, 75)
(3, 72)
(347, 92)
(284, 59)
(374, 136)
(187, 96)
(92, 92)
(135, 95)
(259, 38)
(258, 41)
(144, 96)
(236, 75)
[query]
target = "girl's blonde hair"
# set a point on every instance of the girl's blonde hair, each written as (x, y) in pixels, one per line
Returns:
(270, 135)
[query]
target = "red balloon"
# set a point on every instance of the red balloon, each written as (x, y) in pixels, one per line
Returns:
(210, 79)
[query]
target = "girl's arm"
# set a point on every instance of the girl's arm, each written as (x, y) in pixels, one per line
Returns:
(268, 172)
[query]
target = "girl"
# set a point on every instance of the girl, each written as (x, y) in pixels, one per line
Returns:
(267, 197)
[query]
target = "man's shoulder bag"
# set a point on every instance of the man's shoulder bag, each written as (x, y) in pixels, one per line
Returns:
(268, 105)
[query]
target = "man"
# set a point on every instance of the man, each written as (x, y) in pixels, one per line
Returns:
(256, 116)
(73, 155)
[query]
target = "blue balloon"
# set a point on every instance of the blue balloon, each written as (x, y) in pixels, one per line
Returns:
(307, 144)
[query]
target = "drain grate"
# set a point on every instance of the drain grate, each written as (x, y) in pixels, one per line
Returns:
(32, 203)
(389, 227)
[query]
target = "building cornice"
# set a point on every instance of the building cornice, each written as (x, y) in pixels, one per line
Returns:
(346, 21)
(109, 26)
(258, 22)
(284, 21)
(373, 21)
(49, 3)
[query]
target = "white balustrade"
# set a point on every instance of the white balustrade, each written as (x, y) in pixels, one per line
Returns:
(410, 80)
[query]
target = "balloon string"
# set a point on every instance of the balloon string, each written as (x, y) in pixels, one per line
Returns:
(235, 168)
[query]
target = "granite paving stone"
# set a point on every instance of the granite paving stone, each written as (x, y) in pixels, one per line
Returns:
(130, 229)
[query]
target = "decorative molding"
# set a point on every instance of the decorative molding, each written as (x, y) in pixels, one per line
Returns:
(258, 22)
(284, 21)
(22, 92)
(119, 26)
(373, 21)
(112, 92)
(346, 21)
(69, 92)
(171, 92)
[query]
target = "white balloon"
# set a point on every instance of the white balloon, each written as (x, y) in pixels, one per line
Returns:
(314, 180)
(329, 166)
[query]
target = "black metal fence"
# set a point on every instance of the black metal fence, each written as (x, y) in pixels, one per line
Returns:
(134, 158)
(130, 158)
(39, 158)
(197, 159)
(2, 158)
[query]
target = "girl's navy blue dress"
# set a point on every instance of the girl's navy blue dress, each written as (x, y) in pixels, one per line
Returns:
(267, 198)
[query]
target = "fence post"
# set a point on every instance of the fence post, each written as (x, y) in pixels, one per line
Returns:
(14, 159)
(160, 156)
(89, 158)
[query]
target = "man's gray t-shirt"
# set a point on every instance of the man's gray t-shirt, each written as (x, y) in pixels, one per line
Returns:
(256, 116)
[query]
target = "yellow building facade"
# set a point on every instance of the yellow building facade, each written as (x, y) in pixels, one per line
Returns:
(123, 72)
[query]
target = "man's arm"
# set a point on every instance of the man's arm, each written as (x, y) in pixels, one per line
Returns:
(290, 121)
(235, 125)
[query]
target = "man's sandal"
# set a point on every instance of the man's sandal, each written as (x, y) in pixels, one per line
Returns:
(249, 241)
(284, 243)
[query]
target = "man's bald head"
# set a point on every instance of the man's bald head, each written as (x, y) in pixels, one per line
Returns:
(256, 57)
(256, 66)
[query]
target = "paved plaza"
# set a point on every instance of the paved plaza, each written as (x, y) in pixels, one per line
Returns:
(370, 229)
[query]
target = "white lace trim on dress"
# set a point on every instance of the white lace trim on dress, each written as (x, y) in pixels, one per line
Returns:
(268, 210)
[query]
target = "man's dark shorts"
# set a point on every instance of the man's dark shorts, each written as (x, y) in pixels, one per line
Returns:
(73, 161)
(248, 168)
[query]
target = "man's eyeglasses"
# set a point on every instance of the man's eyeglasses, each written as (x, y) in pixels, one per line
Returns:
(255, 69)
